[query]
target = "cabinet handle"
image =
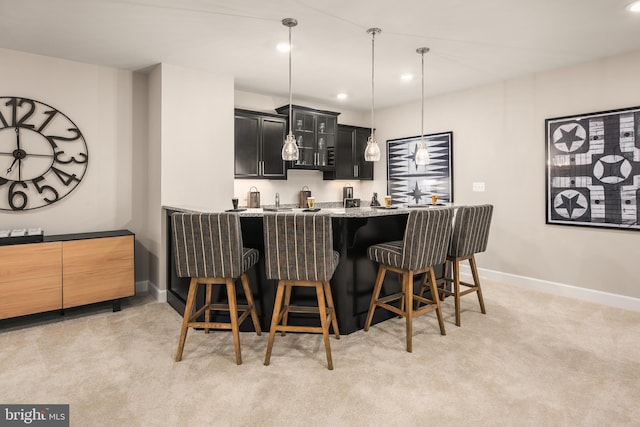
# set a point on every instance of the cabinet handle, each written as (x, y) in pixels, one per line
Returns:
(261, 167)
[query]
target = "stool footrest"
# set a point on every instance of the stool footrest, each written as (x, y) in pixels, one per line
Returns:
(391, 308)
(391, 298)
(209, 325)
(293, 328)
(303, 309)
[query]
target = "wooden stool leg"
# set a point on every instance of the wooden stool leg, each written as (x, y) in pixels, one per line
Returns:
(274, 320)
(323, 322)
(233, 314)
(445, 271)
(188, 310)
(436, 299)
(407, 290)
(456, 288)
(207, 312)
(476, 280)
(374, 296)
(252, 305)
(423, 287)
(334, 319)
(404, 296)
(287, 302)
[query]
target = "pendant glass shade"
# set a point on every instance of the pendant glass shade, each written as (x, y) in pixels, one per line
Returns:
(422, 154)
(290, 148)
(372, 151)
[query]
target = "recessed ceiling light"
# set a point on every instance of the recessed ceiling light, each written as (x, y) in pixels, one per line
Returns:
(634, 7)
(406, 77)
(342, 96)
(283, 47)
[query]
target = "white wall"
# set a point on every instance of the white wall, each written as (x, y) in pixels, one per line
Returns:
(190, 146)
(499, 139)
(99, 101)
(197, 138)
(323, 191)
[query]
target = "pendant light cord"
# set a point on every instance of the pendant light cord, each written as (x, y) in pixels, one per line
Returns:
(373, 41)
(290, 94)
(422, 117)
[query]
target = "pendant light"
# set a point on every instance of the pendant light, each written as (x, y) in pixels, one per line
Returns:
(422, 154)
(372, 151)
(290, 148)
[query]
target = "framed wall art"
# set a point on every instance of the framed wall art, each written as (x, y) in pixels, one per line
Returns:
(593, 169)
(410, 184)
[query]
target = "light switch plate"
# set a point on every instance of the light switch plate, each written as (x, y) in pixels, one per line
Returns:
(478, 186)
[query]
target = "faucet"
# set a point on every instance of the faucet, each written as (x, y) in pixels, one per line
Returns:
(277, 200)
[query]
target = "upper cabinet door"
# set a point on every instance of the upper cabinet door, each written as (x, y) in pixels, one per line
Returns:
(315, 132)
(365, 169)
(349, 161)
(246, 145)
(273, 135)
(344, 153)
(258, 145)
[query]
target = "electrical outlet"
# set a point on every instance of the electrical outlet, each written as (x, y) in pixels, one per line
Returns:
(478, 186)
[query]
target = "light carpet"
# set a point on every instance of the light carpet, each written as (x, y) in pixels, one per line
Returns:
(534, 359)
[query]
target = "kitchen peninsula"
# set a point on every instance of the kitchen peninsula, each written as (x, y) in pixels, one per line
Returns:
(354, 230)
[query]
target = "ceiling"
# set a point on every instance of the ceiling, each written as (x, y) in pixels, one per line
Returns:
(472, 42)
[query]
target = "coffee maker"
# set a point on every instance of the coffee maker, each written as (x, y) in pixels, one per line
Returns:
(347, 192)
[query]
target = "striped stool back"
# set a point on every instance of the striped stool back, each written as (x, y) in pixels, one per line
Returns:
(470, 236)
(424, 245)
(471, 230)
(299, 254)
(207, 244)
(208, 249)
(426, 238)
(299, 246)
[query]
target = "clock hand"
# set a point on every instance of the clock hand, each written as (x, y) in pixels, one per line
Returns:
(18, 137)
(11, 167)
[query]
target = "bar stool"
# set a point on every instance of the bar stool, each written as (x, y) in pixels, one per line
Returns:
(299, 253)
(208, 249)
(425, 243)
(470, 236)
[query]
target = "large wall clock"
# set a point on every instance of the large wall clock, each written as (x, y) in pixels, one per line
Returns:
(43, 155)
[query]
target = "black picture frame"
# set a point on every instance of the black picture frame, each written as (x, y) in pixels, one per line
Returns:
(593, 169)
(408, 183)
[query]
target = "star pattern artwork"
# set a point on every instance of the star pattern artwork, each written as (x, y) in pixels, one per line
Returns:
(593, 169)
(410, 184)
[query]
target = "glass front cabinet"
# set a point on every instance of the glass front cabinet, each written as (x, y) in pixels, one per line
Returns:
(316, 133)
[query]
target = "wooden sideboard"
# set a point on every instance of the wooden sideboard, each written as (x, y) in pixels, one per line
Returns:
(66, 271)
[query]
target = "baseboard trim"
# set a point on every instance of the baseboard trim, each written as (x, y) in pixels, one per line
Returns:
(561, 289)
(153, 290)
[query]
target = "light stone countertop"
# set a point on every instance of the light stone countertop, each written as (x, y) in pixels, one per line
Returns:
(338, 212)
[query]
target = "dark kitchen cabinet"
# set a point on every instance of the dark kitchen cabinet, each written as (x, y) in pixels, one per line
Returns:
(349, 158)
(258, 145)
(315, 132)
